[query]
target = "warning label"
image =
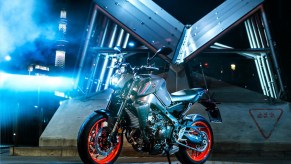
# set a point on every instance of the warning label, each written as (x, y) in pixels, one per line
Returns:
(266, 120)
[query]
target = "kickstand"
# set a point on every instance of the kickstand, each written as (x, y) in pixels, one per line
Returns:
(168, 156)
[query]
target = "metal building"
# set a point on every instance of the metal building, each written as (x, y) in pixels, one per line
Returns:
(112, 23)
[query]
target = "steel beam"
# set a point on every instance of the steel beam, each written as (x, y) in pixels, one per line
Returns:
(145, 20)
(217, 22)
(84, 52)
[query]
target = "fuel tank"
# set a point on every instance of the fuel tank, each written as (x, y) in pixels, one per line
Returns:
(153, 84)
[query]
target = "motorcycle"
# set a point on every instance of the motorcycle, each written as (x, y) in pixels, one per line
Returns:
(152, 120)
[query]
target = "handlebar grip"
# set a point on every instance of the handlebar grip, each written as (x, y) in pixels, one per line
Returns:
(151, 68)
(154, 68)
(145, 68)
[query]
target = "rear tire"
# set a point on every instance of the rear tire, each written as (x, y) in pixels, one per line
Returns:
(189, 156)
(93, 148)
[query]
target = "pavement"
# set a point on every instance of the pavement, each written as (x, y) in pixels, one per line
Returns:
(215, 158)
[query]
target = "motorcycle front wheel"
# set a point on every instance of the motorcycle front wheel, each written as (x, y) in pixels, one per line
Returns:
(92, 142)
(202, 152)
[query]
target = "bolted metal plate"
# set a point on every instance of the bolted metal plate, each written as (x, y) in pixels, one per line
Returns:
(211, 26)
(145, 20)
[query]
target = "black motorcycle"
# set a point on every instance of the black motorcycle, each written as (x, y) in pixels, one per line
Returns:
(151, 119)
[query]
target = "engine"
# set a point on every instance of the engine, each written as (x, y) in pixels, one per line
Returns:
(157, 127)
(153, 137)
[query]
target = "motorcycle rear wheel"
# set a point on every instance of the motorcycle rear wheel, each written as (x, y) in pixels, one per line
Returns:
(189, 156)
(92, 142)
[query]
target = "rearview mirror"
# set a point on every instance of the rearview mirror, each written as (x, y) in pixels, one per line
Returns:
(117, 49)
(163, 50)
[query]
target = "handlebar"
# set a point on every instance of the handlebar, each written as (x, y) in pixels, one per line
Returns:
(134, 70)
(145, 68)
(150, 68)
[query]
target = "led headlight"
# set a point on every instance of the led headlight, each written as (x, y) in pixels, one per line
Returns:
(114, 79)
(122, 69)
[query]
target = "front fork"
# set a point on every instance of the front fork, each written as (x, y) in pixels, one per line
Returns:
(120, 110)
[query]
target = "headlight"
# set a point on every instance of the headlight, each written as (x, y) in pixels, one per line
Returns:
(114, 79)
(122, 69)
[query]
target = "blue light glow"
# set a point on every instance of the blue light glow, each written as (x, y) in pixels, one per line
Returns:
(22, 30)
(102, 74)
(31, 83)
(131, 44)
(7, 58)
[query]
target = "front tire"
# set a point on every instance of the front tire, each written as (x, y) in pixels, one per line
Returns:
(189, 156)
(92, 143)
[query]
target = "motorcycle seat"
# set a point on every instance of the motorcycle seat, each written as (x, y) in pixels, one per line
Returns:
(187, 94)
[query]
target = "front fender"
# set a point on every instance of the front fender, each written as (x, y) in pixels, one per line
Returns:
(103, 112)
(107, 114)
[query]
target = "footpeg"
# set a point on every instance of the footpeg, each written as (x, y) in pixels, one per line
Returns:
(174, 150)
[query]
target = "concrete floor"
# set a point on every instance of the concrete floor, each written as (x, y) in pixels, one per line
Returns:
(271, 158)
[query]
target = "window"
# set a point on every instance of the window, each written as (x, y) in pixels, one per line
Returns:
(63, 14)
(63, 27)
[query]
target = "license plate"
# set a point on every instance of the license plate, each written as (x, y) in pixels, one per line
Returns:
(214, 115)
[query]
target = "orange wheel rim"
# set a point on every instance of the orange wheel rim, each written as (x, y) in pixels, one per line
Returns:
(197, 155)
(92, 139)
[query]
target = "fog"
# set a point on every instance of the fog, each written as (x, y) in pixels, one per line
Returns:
(22, 23)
